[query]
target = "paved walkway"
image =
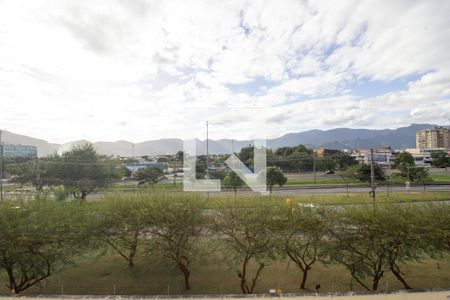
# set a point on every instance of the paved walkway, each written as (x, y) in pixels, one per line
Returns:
(438, 295)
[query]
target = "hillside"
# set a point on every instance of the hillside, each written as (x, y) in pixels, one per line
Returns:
(338, 138)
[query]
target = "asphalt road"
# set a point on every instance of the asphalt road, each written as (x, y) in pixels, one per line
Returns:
(354, 189)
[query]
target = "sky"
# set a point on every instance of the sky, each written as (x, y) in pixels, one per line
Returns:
(141, 70)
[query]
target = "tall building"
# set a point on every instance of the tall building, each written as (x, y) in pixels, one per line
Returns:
(12, 151)
(433, 138)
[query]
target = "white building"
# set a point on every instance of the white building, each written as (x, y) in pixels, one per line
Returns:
(384, 157)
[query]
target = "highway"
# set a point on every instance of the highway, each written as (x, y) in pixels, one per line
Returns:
(309, 190)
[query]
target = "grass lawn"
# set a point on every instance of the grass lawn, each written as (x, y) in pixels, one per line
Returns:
(336, 180)
(441, 177)
(249, 200)
(103, 274)
(325, 181)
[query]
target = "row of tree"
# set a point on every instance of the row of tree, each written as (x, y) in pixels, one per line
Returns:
(38, 238)
(301, 159)
(81, 171)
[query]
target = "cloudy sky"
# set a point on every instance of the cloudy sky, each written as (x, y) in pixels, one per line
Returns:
(139, 70)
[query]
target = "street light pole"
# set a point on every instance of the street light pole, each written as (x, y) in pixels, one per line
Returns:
(314, 167)
(372, 176)
(207, 150)
(407, 183)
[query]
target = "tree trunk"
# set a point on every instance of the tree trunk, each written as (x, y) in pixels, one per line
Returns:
(396, 271)
(375, 282)
(242, 275)
(261, 267)
(305, 275)
(358, 280)
(133, 249)
(12, 281)
(186, 274)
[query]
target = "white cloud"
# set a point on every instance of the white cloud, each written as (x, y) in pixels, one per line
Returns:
(137, 70)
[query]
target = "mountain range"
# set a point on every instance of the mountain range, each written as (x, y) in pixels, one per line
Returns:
(339, 138)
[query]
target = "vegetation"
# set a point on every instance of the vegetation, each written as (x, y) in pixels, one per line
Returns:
(150, 175)
(232, 180)
(247, 237)
(37, 238)
(40, 237)
(121, 222)
(301, 236)
(440, 159)
(408, 169)
(176, 227)
(81, 171)
(274, 176)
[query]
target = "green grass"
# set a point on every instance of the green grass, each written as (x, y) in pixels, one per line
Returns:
(323, 181)
(441, 178)
(248, 200)
(395, 179)
(210, 275)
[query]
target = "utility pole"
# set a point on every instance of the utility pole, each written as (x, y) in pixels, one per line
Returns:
(372, 176)
(314, 167)
(407, 183)
(1, 168)
(359, 149)
(207, 150)
(38, 176)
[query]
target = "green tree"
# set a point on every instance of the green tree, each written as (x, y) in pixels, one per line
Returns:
(232, 180)
(369, 240)
(325, 163)
(419, 174)
(121, 222)
(178, 224)
(362, 172)
(179, 156)
(343, 160)
(406, 159)
(406, 235)
(246, 155)
(247, 238)
(81, 171)
(436, 224)
(406, 164)
(348, 174)
(302, 236)
(122, 172)
(150, 175)
(39, 237)
(440, 159)
(200, 166)
(358, 245)
(275, 176)
(37, 173)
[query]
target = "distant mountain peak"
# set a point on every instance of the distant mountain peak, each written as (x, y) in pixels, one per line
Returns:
(403, 137)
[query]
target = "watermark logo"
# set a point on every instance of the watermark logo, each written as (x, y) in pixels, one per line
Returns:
(255, 179)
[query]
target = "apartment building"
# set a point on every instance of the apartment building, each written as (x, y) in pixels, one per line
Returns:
(433, 138)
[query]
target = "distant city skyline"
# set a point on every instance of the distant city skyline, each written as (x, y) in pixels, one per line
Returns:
(140, 70)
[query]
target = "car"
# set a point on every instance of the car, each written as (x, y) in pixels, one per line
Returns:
(329, 172)
(141, 182)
